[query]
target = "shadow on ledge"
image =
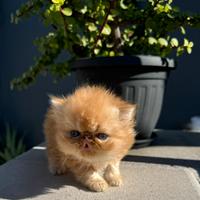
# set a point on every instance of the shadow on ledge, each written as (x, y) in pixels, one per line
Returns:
(28, 177)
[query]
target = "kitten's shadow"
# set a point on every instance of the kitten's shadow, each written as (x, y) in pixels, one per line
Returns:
(32, 178)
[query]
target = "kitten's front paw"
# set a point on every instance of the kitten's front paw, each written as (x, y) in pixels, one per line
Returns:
(98, 185)
(114, 180)
(56, 170)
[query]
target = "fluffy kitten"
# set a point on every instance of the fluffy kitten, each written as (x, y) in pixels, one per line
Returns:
(89, 132)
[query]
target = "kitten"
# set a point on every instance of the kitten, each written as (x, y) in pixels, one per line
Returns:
(89, 132)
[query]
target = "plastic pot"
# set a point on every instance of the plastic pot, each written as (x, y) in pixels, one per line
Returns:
(138, 79)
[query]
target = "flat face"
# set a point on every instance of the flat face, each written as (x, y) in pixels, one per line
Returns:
(89, 122)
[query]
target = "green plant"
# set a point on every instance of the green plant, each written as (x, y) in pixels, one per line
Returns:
(11, 145)
(90, 28)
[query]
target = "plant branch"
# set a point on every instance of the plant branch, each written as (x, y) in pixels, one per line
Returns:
(64, 22)
(104, 23)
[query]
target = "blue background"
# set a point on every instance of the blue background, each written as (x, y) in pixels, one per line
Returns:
(24, 110)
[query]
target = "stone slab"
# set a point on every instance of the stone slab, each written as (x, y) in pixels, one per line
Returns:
(152, 173)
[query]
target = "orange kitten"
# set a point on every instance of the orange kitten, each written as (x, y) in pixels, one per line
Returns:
(89, 132)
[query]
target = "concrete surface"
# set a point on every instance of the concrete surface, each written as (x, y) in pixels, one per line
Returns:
(169, 169)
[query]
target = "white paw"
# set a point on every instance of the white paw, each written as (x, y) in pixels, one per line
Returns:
(98, 185)
(115, 181)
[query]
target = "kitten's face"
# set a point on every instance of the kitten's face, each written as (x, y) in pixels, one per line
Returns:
(93, 123)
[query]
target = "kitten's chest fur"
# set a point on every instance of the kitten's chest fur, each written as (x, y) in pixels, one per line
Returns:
(80, 165)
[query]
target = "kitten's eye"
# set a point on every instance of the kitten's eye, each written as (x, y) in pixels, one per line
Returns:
(74, 134)
(102, 136)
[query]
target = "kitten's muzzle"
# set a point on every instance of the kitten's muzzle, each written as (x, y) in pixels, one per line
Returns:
(86, 142)
(87, 137)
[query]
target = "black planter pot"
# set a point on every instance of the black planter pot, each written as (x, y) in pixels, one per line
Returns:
(138, 79)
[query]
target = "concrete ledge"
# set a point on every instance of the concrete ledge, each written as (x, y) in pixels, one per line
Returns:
(158, 172)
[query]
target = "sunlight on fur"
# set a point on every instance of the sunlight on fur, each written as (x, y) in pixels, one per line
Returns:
(89, 132)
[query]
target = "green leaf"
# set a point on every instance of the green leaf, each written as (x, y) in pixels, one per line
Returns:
(84, 41)
(186, 42)
(84, 9)
(163, 42)
(111, 53)
(180, 51)
(174, 42)
(122, 5)
(152, 40)
(167, 8)
(110, 18)
(170, 1)
(106, 30)
(55, 7)
(191, 44)
(67, 11)
(92, 27)
(96, 51)
(189, 50)
(20, 147)
(183, 30)
(61, 2)
(99, 43)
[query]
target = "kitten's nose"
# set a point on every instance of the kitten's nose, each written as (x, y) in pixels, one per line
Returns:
(87, 137)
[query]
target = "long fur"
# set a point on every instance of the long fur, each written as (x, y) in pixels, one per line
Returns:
(89, 110)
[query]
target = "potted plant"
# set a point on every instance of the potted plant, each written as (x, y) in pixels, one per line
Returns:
(123, 44)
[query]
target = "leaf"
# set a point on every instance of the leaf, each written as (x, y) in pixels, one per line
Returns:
(54, 7)
(183, 30)
(163, 42)
(67, 11)
(170, 1)
(174, 42)
(167, 8)
(61, 2)
(12, 145)
(191, 44)
(189, 47)
(19, 147)
(110, 18)
(186, 42)
(189, 50)
(96, 51)
(122, 5)
(99, 43)
(106, 30)
(111, 53)
(84, 10)
(84, 41)
(180, 51)
(92, 27)
(152, 40)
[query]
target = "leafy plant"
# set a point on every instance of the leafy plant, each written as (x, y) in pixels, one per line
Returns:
(91, 28)
(11, 145)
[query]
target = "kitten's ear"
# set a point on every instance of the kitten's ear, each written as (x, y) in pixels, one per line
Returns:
(56, 101)
(128, 112)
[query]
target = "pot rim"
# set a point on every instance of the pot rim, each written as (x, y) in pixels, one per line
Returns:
(129, 61)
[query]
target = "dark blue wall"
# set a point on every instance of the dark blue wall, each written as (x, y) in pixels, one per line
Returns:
(25, 110)
(182, 98)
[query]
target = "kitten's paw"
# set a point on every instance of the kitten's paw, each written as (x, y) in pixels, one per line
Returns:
(114, 180)
(98, 185)
(56, 170)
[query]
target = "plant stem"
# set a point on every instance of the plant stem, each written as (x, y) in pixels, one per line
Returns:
(104, 23)
(64, 22)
